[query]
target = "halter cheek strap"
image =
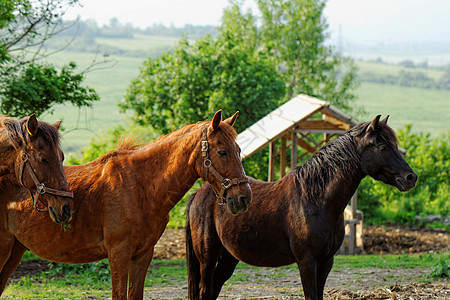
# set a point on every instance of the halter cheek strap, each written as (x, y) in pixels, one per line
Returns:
(40, 186)
(208, 167)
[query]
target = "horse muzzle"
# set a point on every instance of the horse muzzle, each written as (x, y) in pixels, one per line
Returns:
(406, 182)
(239, 204)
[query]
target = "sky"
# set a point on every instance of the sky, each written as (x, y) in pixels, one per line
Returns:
(359, 20)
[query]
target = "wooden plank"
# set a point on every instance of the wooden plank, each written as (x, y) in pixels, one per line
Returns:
(294, 150)
(283, 158)
(317, 125)
(271, 175)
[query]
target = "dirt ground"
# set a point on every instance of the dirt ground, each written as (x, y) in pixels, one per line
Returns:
(367, 283)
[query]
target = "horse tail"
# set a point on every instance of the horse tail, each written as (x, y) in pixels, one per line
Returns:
(193, 264)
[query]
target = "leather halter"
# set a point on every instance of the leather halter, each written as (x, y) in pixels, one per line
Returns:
(225, 183)
(40, 186)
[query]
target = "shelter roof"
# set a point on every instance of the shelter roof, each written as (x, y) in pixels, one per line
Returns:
(297, 114)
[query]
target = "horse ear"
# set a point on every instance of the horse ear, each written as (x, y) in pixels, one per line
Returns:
(32, 125)
(384, 121)
(57, 124)
(231, 120)
(216, 120)
(373, 125)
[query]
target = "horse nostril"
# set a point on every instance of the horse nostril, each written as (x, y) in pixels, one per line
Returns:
(242, 199)
(411, 177)
(229, 199)
(67, 212)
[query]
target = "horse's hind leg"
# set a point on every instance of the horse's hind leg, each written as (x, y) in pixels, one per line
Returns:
(138, 270)
(11, 264)
(224, 269)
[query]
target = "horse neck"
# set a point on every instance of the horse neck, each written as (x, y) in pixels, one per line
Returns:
(7, 157)
(170, 166)
(332, 176)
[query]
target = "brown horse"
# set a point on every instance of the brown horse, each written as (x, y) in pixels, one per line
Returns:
(297, 219)
(30, 149)
(122, 203)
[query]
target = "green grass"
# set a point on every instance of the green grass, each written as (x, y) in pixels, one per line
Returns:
(110, 83)
(140, 42)
(83, 283)
(384, 69)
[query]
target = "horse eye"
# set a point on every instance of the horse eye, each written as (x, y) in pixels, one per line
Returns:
(222, 152)
(382, 147)
(43, 160)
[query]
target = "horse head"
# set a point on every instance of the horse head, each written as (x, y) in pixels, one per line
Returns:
(380, 157)
(38, 164)
(222, 166)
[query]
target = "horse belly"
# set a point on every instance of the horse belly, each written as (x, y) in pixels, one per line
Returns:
(263, 249)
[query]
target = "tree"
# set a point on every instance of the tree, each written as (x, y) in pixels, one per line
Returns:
(28, 85)
(293, 33)
(192, 82)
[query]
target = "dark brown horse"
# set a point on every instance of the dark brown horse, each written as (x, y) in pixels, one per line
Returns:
(122, 203)
(297, 219)
(30, 149)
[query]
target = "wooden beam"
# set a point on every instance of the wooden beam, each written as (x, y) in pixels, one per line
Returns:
(318, 125)
(294, 150)
(271, 174)
(283, 158)
(336, 121)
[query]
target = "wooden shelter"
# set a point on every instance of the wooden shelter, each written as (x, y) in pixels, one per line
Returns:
(294, 131)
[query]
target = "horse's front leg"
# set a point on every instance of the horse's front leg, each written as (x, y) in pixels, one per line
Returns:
(322, 275)
(119, 257)
(308, 275)
(138, 270)
(11, 264)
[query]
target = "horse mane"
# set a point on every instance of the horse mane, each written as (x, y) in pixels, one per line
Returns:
(128, 145)
(333, 158)
(15, 130)
(228, 131)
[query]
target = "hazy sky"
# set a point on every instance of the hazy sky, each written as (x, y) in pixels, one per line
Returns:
(420, 20)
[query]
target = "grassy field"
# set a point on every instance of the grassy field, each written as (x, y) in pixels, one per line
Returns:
(427, 110)
(93, 283)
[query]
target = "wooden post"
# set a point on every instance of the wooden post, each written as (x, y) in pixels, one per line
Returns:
(283, 158)
(353, 203)
(294, 150)
(271, 175)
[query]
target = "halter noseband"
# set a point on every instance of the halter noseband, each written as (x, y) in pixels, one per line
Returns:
(225, 183)
(40, 186)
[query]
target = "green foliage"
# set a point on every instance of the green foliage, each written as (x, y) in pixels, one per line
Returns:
(39, 88)
(196, 80)
(28, 86)
(109, 141)
(293, 33)
(441, 269)
(430, 159)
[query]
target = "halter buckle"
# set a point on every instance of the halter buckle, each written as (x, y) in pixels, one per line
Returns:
(24, 157)
(41, 188)
(205, 146)
(226, 183)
